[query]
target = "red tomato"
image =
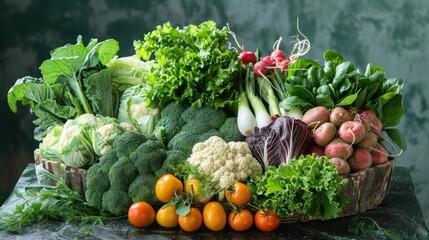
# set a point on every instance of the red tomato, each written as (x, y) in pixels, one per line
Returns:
(240, 195)
(266, 220)
(141, 214)
(214, 216)
(240, 221)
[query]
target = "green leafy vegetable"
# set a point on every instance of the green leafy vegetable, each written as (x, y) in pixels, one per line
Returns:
(193, 65)
(309, 185)
(339, 83)
(75, 81)
(128, 71)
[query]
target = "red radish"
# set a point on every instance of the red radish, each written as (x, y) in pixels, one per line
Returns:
(277, 53)
(369, 141)
(247, 57)
(316, 149)
(342, 166)
(268, 60)
(261, 68)
(338, 148)
(352, 132)
(379, 154)
(374, 122)
(324, 133)
(339, 115)
(361, 159)
(316, 116)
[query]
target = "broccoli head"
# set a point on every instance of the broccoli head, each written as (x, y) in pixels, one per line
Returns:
(170, 122)
(229, 131)
(126, 173)
(195, 125)
(174, 158)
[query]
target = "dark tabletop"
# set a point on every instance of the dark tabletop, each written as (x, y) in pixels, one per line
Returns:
(399, 214)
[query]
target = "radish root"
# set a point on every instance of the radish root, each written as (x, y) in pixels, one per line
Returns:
(241, 47)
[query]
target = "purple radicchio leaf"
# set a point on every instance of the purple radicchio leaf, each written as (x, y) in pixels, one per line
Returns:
(284, 139)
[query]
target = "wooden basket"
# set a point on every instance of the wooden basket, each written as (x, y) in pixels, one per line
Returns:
(75, 177)
(366, 188)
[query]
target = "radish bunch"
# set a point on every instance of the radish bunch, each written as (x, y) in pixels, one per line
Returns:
(350, 140)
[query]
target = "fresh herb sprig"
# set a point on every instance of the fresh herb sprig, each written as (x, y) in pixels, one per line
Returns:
(369, 227)
(40, 205)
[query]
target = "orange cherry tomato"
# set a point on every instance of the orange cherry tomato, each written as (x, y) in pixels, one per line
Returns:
(214, 216)
(240, 221)
(166, 186)
(266, 220)
(197, 190)
(240, 195)
(192, 221)
(167, 217)
(141, 214)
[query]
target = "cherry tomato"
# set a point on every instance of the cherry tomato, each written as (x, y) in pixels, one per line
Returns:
(141, 214)
(167, 217)
(266, 220)
(192, 221)
(214, 216)
(166, 186)
(240, 195)
(199, 194)
(240, 221)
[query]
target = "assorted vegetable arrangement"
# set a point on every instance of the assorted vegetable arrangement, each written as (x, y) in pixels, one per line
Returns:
(190, 131)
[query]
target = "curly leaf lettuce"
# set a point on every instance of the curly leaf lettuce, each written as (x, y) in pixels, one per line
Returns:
(309, 185)
(193, 65)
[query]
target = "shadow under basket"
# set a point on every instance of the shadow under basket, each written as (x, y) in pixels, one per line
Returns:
(366, 188)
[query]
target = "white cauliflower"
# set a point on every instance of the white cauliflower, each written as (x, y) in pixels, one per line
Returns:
(89, 119)
(226, 162)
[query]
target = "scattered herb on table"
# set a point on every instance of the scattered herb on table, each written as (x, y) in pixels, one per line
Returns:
(42, 204)
(367, 226)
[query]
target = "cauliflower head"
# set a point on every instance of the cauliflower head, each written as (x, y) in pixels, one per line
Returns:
(226, 162)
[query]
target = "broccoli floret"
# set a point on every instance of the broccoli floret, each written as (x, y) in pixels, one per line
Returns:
(174, 157)
(149, 156)
(139, 193)
(99, 182)
(183, 141)
(116, 201)
(229, 131)
(122, 173)
(210, 116)
(107, 161)
(127, 142)
(170, 122)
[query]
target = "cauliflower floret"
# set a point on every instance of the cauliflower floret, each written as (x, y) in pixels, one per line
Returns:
(225, 162)
(140, 109)
(89, 119)
(127, 126)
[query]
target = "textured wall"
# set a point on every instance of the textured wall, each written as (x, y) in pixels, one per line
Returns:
(393, 34)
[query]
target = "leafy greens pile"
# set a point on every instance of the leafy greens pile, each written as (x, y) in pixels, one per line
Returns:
(308, 185)
(75, 81)
(193, 65)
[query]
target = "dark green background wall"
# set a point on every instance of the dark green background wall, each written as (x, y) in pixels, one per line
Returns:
(393, 34)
